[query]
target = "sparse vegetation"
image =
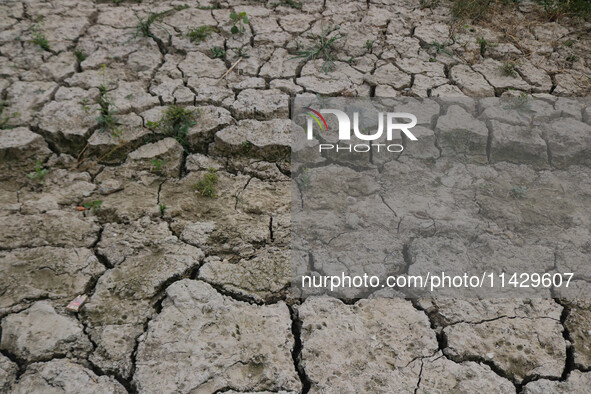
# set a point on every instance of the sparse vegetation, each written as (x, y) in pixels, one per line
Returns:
(246, 146)
(554, 9)
(368, 45)
(470, 9)
(428, 4)
(157, 165)
(218, 53)
(239, 20)
(144, 25)
(80, 56)
(4, 119)
(440, 48)
(241, 52)
(483, 44)
(39, 37)
(508, 69)
(519, 103)
(304, 179)
(162, 208)
(106, 119)
(322, 47)
(200, 33)
(39, 174)
(175, 123)
(518, 192)
(93, 206)
(206, 185)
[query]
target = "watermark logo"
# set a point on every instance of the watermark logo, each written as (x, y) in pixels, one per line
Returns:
(391, 120)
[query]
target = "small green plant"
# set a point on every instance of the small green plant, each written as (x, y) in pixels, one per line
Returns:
(39, 174)
(162, 208)
(508, 69)
(93, 206)
(80, 56)
(483, 44)
(175, 123)
(241, 52)
(4, 119)
(304, 179)
(218, 53)
(39, 37)
(206, 185)
(144, 25)
(368, 45)
(246, 146)
(157, 165)
(569, 43)
(201, 33)
(239, 20)
(440, 48)
(520, 103)
(518, 192)
(571, 59)
(321, 48)
(106, 119)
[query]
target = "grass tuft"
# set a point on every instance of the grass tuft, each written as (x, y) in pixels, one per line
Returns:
(322, 47)
(206, 185)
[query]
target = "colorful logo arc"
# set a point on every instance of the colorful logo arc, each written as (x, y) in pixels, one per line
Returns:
(315, 115)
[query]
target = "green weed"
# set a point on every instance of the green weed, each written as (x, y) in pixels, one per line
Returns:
(206, 185)
(239, 20)
(106, 119)
(508, 69)
(176, 123)
(321, 48)
(218, 53)
(304, 179)
(201, 33)
(39, 174)
(518, 192)
(39, 37)
(93, 206)
(368, 45)
(483, 44)
(440, 48)
(162, 208)
(80, 56)
(157, 165)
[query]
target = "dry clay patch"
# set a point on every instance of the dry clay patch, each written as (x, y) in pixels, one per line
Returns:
(231, 250)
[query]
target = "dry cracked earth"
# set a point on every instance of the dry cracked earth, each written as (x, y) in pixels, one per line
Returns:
(189, 293)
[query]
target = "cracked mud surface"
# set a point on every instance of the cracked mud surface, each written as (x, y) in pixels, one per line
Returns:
(189, 293)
